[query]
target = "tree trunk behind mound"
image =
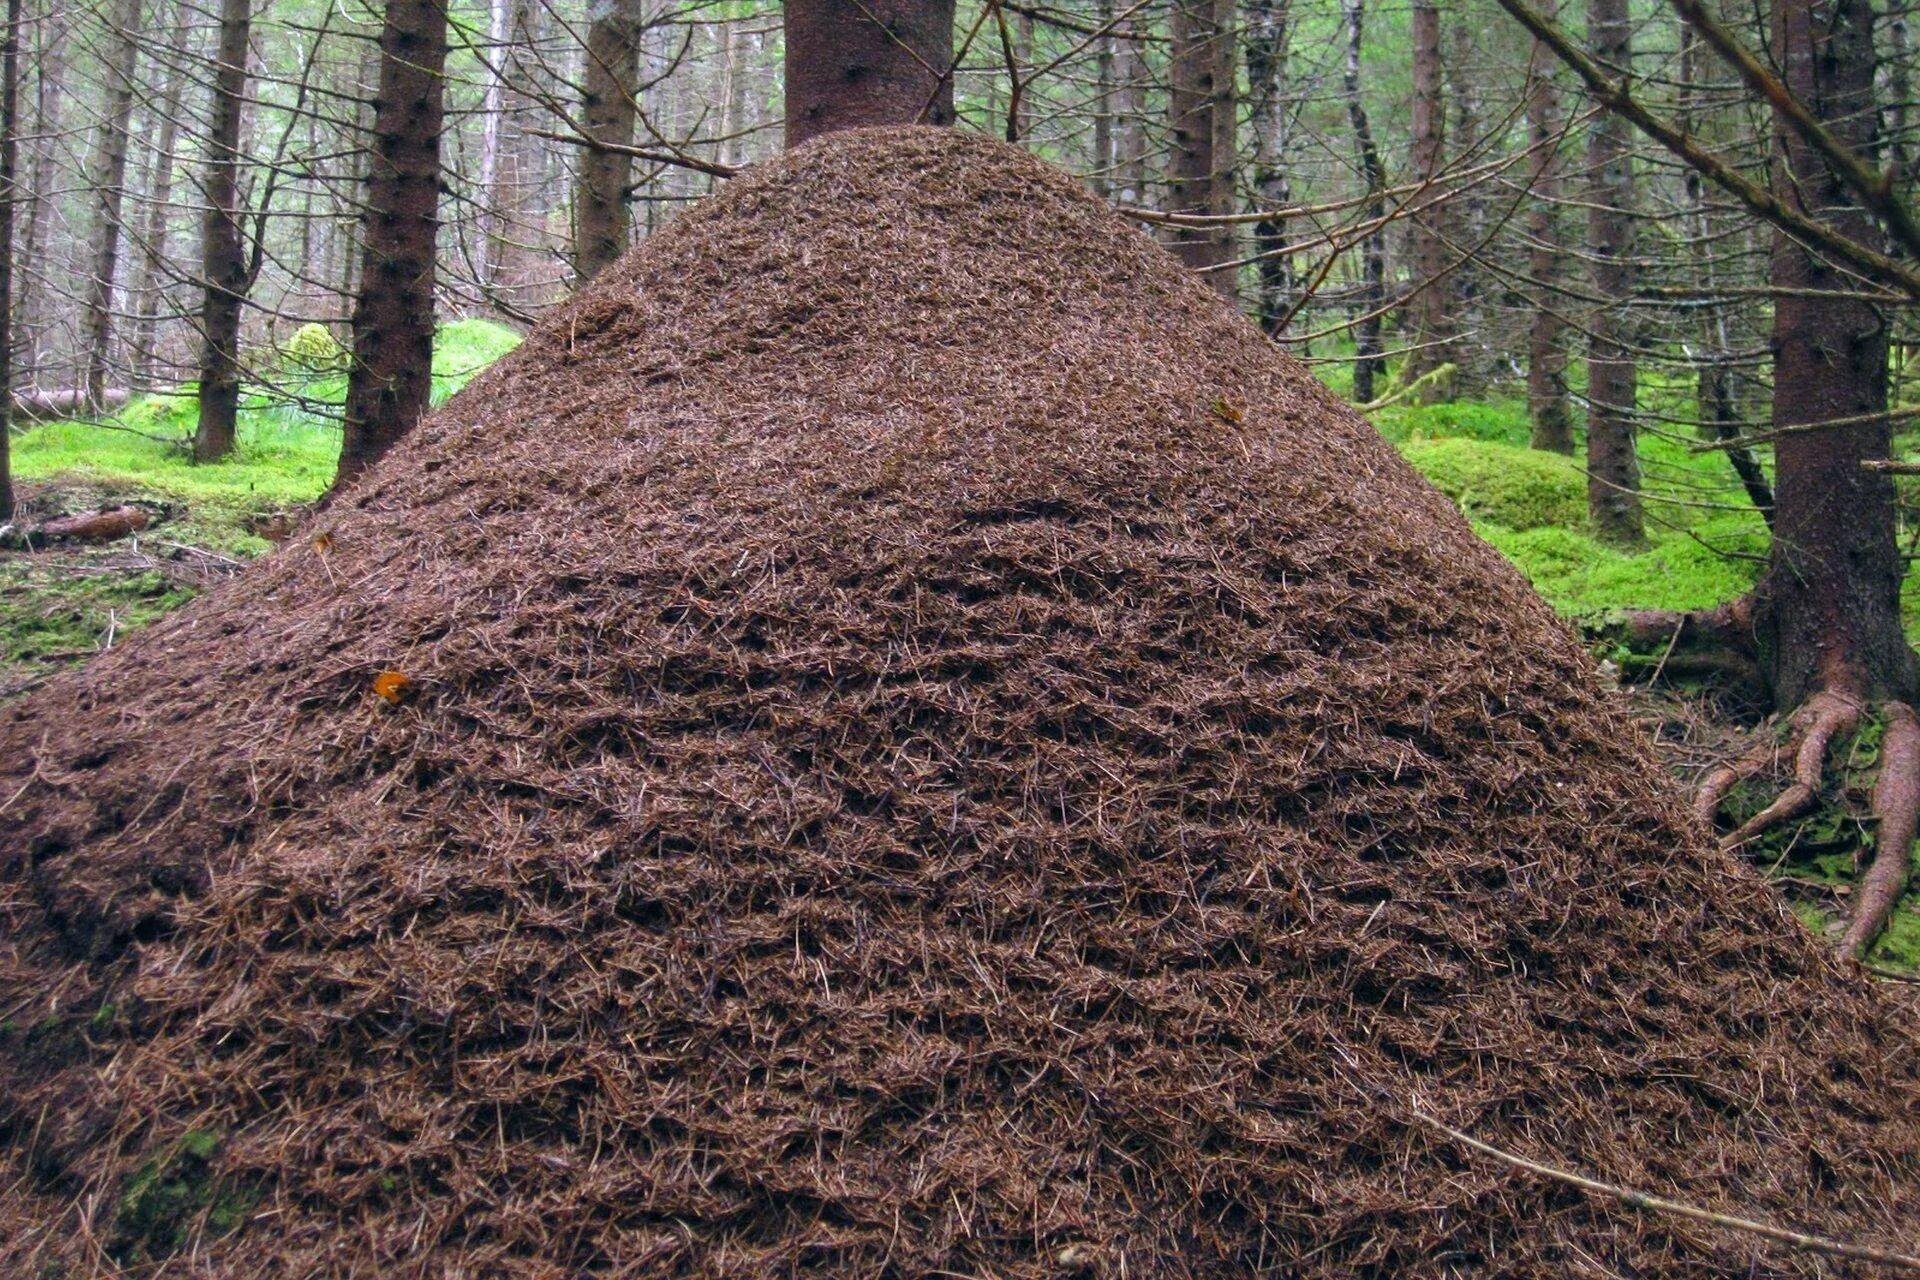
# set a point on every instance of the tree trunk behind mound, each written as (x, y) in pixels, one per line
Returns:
(867, 62)
(602, 220)
(9, 193)
(109, 176)
(1831, 599)
(223, 254)
(1200, 74)
(1613, 461)
(391, 380)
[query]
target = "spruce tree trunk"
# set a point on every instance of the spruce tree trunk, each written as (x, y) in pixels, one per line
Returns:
(1100, 177)
(391, 380)
(1269, 46)
(1430, 327)
(50, 63)
(1200, 74)
(1547, 408)
(1831, 599)
(1613, 462)
(147, 289)
(223, 251)
(9, 194)
(110, 184)
(867, 62)
(1367, 360)
(602, 219)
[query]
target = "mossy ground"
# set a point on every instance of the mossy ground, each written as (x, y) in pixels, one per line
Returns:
(1705, 543)
(58, 607)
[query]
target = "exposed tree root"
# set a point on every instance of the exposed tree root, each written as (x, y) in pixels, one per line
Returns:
(1821, 720)
(1896, 803)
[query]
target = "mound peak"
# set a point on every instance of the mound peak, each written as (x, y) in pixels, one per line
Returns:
(926, 747)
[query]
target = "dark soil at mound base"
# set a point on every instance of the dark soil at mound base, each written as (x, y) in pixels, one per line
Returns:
(929, 749)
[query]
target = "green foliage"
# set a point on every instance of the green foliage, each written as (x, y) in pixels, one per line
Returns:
(1502, 485)
(313, 350)
(163, 1201)
(48, 610)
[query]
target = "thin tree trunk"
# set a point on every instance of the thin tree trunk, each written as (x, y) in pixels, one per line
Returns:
(1430, 329)
(1715, 403)
(147, 288)
(602, 220)
(499, 27)
(9, 194)
(1547, 408)
(1367, 362)
(391, 381)
(1832, 594)
(50, 60)
(1130, 144)
(110, 182)
(1100, 174)
(1200, 75)
(223, 249)
(1269, 42)
(1613, 464)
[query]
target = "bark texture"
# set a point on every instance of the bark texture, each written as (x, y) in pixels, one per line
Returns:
(1200, 74)
(603, 221)
(391, 379)
(1547, 400)
(1430, 328)
(223, 250)
(9, 192)
(1832, 594)
(851, 63)
(110, 183)
(1368, 363)
(1613, 462)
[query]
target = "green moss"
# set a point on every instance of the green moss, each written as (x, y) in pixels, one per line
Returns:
(56, 611)
(172, 1195)
(313, 350)
(287, 447)
(1494, 421)
(1899, 946)
(1500, 484)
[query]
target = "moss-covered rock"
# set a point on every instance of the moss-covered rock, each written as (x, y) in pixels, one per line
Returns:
(1497, 483)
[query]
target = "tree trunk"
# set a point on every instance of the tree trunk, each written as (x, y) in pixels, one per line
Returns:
(1269, 46)
(223, 250)
(1130, 108)
(1547, 408)
(867, 62)
(50, 59)
(110, 182)
(1716, 406)
(1430, 329)
(147, 290)
(1367, 362)
(602, 220)
(9, 193)
(1613, 464)
(391, 381)
(1201, 106)
(1831, 598)
(1100, 173)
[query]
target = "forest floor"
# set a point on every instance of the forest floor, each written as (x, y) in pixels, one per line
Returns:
(1706, 545)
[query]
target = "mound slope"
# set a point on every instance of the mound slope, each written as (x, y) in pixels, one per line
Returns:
(928, 748)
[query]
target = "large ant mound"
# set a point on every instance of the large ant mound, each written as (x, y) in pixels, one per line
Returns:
(896, 735)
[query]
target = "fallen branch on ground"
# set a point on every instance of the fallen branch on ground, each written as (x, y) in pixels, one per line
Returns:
(1659, 1204)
